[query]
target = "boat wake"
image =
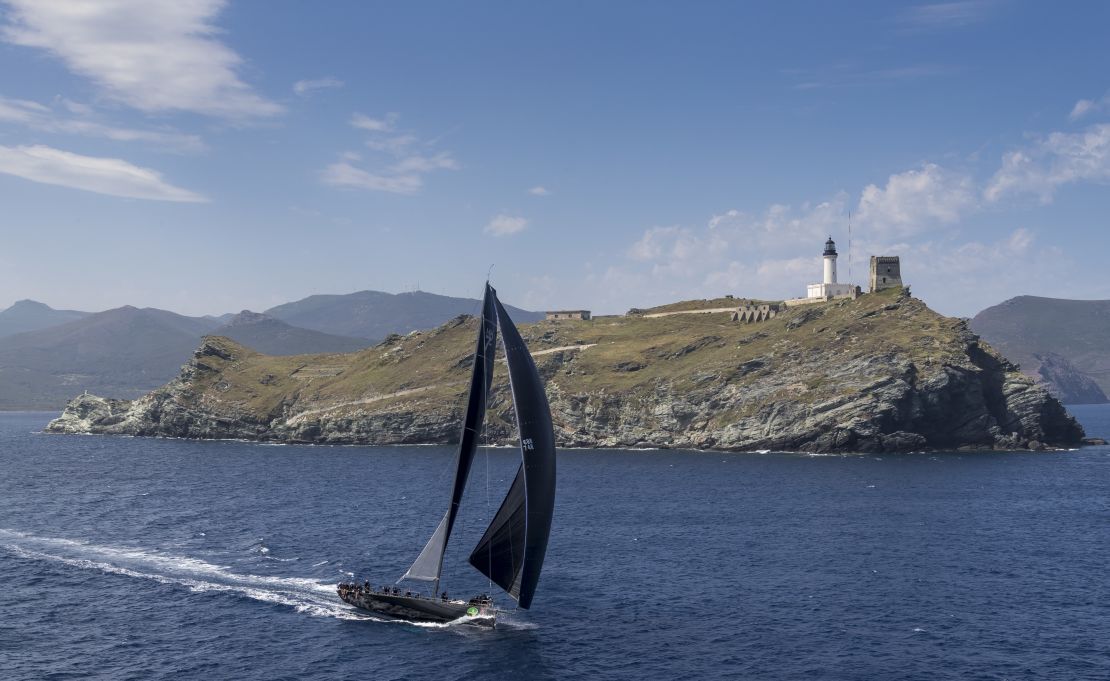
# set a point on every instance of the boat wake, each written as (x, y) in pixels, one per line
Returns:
(309, 596)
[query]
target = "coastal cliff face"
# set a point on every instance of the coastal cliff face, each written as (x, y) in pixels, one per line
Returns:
(881, 373)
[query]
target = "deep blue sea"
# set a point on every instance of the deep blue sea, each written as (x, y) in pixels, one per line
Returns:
(128, 558)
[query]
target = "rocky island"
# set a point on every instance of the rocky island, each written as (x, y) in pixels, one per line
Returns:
(880, 373)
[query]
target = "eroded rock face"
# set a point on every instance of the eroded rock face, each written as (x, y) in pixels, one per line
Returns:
(1066, 382)
(89, 413)
(811, 381)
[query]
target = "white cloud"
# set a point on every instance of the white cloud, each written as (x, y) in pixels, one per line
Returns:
(40, 117)
(399, 168)
(1058, 159)
(539, 190)
(364, 122)
(392, 144)
(504, 225)
(962, 277)
(916, 200)
(1081, 109)
(946, 14)
(1089, 106)
(773, 254)
(343, 174)
(303, 88)
(21, 110)
(153, 56)
(425, 164)
(111, 176)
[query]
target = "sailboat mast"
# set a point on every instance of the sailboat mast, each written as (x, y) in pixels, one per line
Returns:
(428, 566)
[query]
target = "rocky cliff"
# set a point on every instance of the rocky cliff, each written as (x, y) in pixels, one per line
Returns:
(881, 373)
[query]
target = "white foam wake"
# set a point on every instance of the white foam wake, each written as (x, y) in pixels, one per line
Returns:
(307, 596)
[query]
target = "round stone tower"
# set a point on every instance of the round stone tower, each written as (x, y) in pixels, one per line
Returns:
(830, 261)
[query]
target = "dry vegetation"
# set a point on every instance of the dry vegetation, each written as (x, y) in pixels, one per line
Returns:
(630, 356)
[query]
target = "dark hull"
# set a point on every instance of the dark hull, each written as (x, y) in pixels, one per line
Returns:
(417, 609)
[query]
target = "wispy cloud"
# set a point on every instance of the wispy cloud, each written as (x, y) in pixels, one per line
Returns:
(364, 122)
(303, 88)
(40, 117)
(539, 190)
(111, 176)
(1060, 158)
(344, 174)
(846, 76)
(1086, 107)
(941, 15)
(505, 225)
(400, 163)
(153, 56)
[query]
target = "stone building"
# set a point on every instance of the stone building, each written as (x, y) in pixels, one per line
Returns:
(886, 272)
(568, 314)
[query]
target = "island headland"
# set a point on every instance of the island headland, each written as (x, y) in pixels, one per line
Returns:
(879, 372)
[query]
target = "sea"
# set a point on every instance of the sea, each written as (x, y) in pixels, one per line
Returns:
(137, 558)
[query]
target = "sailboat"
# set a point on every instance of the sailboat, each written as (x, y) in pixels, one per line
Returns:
(511, 551)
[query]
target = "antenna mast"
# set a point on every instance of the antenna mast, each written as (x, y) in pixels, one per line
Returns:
(850, 246)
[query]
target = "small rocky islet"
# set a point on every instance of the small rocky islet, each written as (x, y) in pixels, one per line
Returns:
(881, 373)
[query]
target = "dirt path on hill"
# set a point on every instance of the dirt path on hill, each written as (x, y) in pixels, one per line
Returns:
(708, 311)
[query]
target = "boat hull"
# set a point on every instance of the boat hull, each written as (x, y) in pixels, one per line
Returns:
(419, 609)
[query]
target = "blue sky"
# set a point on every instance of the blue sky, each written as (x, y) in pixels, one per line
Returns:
(206, 157)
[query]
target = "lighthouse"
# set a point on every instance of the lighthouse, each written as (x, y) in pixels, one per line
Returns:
(828, 288)
(830, 261)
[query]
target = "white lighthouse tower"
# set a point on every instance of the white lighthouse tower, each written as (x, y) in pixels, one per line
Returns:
(829, 288)
(830, 262)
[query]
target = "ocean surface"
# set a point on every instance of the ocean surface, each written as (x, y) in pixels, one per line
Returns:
(129, 558)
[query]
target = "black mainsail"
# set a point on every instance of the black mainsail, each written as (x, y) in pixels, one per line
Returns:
(429, 564)
(512, 550)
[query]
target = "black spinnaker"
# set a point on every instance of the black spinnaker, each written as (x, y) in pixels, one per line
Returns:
(512, 550)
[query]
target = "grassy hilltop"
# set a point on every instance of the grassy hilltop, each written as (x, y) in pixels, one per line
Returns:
(880, 373)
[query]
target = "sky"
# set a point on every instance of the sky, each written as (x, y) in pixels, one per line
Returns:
(207, 156)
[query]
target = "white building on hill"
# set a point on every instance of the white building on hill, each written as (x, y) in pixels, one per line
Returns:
(829, 288)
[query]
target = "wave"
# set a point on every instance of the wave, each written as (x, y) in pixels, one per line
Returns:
(309, 596)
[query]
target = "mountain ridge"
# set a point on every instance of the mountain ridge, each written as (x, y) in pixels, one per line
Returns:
(1075, 333)
(363, 314)
(31, 315)
(272, 336)
(105, 352)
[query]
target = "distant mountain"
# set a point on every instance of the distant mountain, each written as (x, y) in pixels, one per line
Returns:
(375, 314)
(124, 351)
(274, 337)
(1063, 343)
(31, 315)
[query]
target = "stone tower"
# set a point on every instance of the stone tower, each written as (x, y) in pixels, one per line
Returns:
(886, 272)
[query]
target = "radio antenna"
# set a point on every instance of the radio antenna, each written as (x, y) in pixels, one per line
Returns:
(849, 245)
